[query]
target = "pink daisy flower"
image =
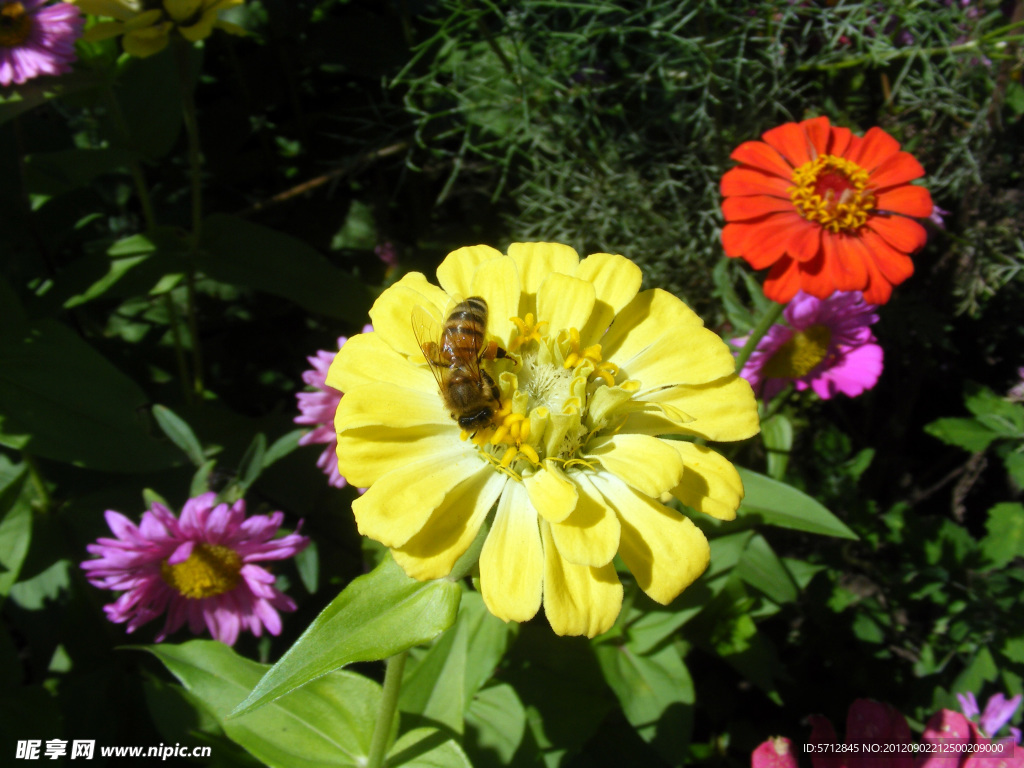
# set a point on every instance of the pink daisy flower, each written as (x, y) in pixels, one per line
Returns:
(826, 346)
(318, 408)
(36, 39)
(198, 568)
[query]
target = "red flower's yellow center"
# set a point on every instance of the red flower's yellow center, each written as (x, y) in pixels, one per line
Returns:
(210, 570)
(832, 191)
(800, 355)
(15, 25)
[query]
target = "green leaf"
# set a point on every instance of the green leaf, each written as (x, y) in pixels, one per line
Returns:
(1014, 463)
(15, 522)
(242, 253)
(656, 694)
(427, 748)
(62, 400)
(12, 315)
(180, 433)
(201, 479)
(969, 434)
(779, 504)
(777, 434)
(252, 462)
(496, 724)
(359, 232)
(762, 569)
(282, 447)
(980, 670)
(327, 723)
(35, 92)
(53, 173)
(1005, 538)
(376, 616)
(994, 411)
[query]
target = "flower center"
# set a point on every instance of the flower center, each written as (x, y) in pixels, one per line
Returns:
(557, 397)
(800, 355)
(210, 570)
(15, 25)
(832, 191)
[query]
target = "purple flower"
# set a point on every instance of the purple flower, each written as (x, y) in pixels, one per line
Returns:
(998, 711)
(199, 568)
(827, 346)
(317, 409)
(36, 39)
(938, 217)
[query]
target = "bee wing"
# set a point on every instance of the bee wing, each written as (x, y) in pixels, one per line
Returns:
(427, 330)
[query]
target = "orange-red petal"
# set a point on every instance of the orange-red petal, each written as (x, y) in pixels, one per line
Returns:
(761, 156)
(805, 243)
(762, 242)
(839, 141)
(740, 208)
(901, 233)
(783, 281)
(845, 258)
(744, 180)
(818, 131)
(871, 151)
(790, 141)
(879, 290)
(908, 200)
(898, 169)
(895, 266)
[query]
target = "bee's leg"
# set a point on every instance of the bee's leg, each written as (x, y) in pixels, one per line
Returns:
(493, 351)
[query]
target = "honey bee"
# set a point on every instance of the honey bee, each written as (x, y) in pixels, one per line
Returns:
(469, 392)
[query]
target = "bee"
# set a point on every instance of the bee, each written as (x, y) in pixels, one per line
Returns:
(469, 392)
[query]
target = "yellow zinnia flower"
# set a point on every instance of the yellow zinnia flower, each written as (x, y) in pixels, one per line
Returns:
(571, 456)
(147, 24)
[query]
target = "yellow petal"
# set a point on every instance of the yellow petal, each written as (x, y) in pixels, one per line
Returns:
(565, 302)
(148, 19)
(578, 599)
(391, 314)
(103, 30)
(710, 482)
(143, 43)
(368, 453)
(616, 281)
(446, 536)
(512, 560)
(455, 275)
(552, 494)
(201, 29)
(113, 8)
(645, 319)
(663, 549)
(497, 280)
(643, 462)
(537, 260)
(722, 410)
(367, 359)
(390, 405)
(590, 535)
(398, 505)
(181, 10)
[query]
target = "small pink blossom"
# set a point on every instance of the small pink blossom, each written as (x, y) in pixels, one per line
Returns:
(200, 568)
(36, 39)
(317, 410)
(827, 345)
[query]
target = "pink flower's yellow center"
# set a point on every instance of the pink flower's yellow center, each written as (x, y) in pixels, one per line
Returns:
(210, 570)
(800, 355)
(833, 192)
(15, 25)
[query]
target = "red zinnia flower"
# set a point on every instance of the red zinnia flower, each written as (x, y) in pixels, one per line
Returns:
(826, 210)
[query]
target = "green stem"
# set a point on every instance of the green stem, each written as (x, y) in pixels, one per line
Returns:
(388, 706)
(141, 189)
(179, 347)
(767, 321)
(195, 164)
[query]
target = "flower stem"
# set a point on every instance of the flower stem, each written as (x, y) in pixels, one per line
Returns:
(767, 321)
(195, 164)
(388, 706)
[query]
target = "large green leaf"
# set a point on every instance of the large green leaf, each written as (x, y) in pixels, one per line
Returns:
(376, 616)
(15, 522)
(327, 723)
(656, 693)
(1005, 538)
(242, 253)
(52, 173)
(779, 504)
(762, 569)
(496, 725)
(427, 748)
(969, 434)
(62, 400)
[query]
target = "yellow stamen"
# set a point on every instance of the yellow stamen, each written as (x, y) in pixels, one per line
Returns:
(833, 192)
(210, 570)
(529, 330)
(15, 25)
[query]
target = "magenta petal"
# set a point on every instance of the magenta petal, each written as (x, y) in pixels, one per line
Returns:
(774, 753)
